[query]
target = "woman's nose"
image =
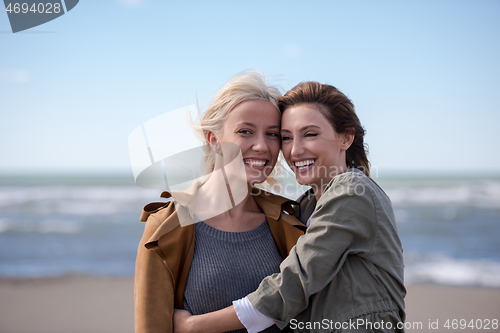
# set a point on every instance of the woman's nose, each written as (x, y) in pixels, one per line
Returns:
(297, 148)
(260, 144)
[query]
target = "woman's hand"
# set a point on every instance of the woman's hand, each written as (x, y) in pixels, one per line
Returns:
(182, 323)
(213, 322)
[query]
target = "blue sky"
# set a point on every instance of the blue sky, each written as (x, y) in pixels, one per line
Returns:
(424, 76)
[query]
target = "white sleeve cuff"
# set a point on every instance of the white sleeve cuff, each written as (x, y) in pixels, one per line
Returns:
(251, 318)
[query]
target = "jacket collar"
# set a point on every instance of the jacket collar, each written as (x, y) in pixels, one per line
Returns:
(273, 206)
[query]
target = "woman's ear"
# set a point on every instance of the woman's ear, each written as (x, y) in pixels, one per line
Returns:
(213, 142)
(347, 139)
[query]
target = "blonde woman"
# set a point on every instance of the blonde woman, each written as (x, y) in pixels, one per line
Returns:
(203, 267)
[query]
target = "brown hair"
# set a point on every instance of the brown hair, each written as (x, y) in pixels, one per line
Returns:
(339, 110)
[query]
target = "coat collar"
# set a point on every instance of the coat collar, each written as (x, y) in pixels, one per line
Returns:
(182, 212)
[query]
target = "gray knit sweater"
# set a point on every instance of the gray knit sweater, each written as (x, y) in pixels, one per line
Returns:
(228, 266)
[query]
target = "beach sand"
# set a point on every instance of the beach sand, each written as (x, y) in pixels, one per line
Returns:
(89, 304)
(67, 305)
(430, 303)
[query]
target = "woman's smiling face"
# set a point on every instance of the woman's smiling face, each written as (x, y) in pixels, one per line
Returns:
(254, 126)
(311, 147)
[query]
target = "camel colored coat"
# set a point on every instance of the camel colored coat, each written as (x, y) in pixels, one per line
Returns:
(166, 251)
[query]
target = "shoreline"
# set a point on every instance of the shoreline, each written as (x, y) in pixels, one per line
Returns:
(105, 304)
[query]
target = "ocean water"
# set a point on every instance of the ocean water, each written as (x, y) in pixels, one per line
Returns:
(53, 226)
(449, 229)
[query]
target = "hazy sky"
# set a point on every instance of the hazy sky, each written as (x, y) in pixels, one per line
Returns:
(424, 76)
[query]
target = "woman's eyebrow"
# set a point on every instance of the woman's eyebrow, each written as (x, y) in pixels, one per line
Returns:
(253, 125)
(302, 129)
(309, 126)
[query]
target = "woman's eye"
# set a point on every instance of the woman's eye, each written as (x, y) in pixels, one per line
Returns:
(309, 135)
(273, 134)
(286, 138)
(244, 131)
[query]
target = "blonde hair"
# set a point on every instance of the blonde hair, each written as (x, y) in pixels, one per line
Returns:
(244, 86)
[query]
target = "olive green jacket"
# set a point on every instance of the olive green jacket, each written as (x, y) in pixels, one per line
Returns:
(349, 263)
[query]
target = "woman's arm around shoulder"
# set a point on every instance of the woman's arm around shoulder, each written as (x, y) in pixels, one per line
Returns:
(344, 222)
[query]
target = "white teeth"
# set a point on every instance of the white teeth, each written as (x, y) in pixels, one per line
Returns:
(255, 163)
(303, 164)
